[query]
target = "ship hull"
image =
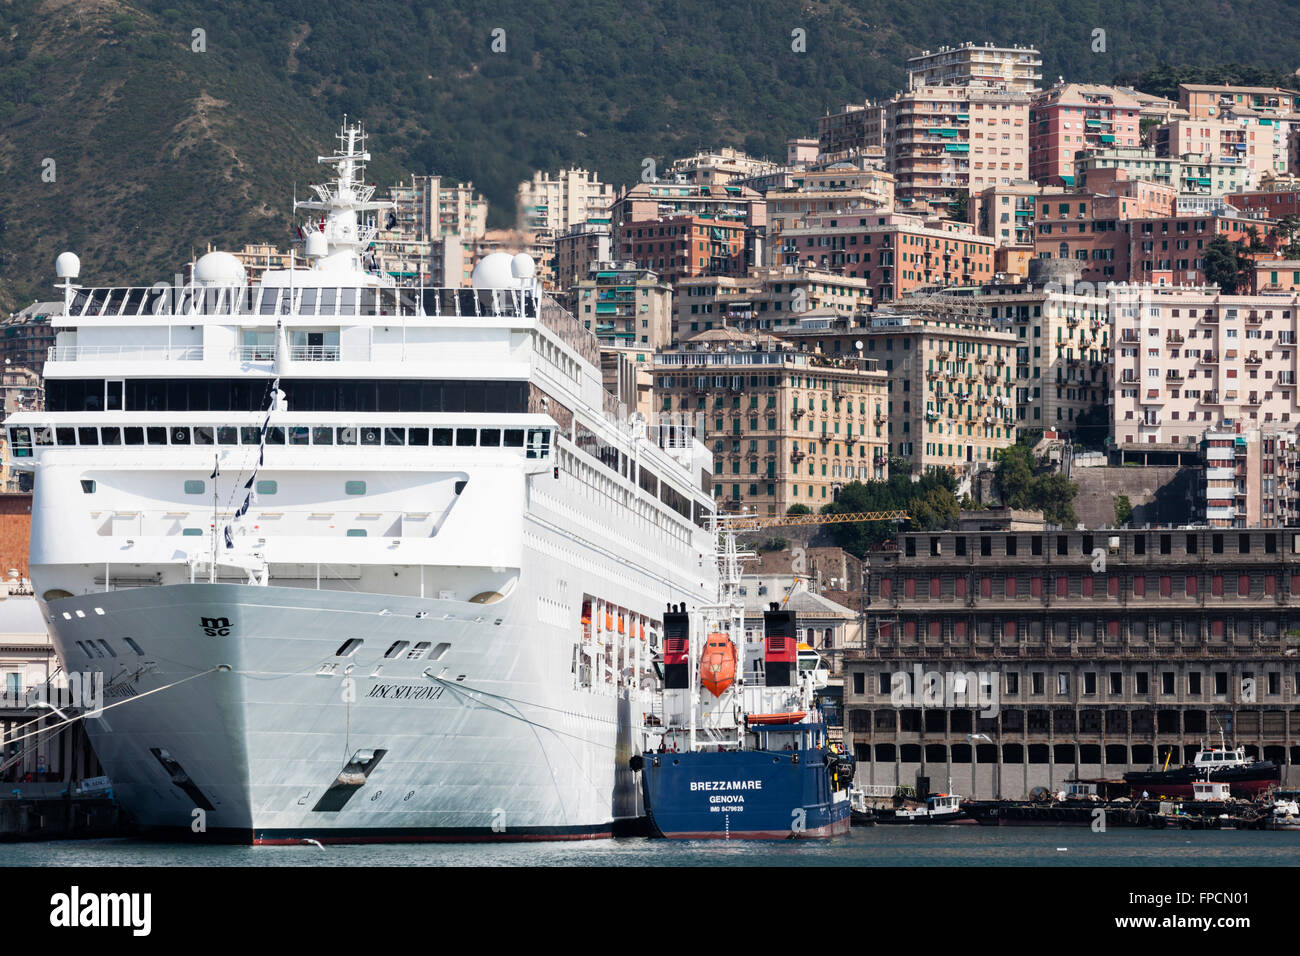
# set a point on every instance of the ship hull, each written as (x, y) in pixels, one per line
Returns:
(256, 731)
(1249, 781)
(752, 794)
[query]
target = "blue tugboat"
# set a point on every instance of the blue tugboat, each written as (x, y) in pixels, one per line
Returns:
(737, 754)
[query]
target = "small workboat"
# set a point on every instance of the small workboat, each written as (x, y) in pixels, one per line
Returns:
(939, 808)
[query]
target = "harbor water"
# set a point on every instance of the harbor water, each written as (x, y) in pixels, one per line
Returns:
(865, 846)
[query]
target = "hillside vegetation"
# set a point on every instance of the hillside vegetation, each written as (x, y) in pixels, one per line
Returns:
(158, 149)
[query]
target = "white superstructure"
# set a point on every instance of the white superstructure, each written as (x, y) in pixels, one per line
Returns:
(390, 559)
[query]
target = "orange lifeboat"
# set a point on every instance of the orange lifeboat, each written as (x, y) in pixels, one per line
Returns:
(718, 664)
(792, 717)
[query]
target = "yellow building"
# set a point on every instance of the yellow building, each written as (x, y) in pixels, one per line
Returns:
(785, 427)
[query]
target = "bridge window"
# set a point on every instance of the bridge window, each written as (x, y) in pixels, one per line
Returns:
(355, 488)
(195, 487)
(267, 487)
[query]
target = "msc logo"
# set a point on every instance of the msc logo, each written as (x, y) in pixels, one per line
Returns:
(216, 626)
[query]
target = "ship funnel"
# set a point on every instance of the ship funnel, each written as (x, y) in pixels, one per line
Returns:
(780, 648)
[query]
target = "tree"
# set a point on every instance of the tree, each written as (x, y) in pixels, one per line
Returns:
(929, 502)
(1092, 427)
(1123, 510)
(1014, 474)
(1020, 487)
(1225, 266)
(799, 510)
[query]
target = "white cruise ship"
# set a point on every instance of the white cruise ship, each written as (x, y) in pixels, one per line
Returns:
(357, 561)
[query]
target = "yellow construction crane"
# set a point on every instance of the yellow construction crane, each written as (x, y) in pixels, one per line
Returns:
(755, 523)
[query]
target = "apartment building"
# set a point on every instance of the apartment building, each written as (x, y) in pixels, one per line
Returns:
(853, 130)
(1018, 68)
(680, 247)
(717, 167)
(842, 187)
(1192, 359)
(1191, 174)
(26, 336)
(944, 143)
(429, 207)
(1170, 250)
(552, 202)
(666, 199)
(764, 300)
(1276, 275)
(1276, 198)
(578, 248)
(625, 306)
(785, 427)
(1007, 214)
(1005, 661)
(1063, 348)
(950, 387)
(1248, 477)
(1072, 118)
(896, 253)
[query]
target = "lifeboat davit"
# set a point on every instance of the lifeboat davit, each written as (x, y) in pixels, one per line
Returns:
(718, 664)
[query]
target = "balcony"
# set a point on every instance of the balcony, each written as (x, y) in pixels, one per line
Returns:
(1253, 358)
(125, 353)
(798, 413)
(1175, 338)
(1209, 358)
(1211, 398)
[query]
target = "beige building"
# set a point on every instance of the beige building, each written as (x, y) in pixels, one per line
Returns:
(1062, 355)
(951, 378)
(947, 142)
(430, 207)
(785, 427)
(769, 300)
(551, 203)
(1191, 359)
(1018, 68)
(1245, 142)
(625, 306)
(951, 388)
(1006, 213)
(717, 167)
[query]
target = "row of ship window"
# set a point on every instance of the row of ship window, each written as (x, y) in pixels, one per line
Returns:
(303, 301)
(536, 440)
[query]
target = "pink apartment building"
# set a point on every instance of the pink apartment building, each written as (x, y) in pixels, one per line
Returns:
(1075, 117)
(1192, 360)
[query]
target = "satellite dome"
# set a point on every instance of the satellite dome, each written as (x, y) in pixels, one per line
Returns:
(218, 268)
(67, 265)
(522, 266)
(494, 271)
